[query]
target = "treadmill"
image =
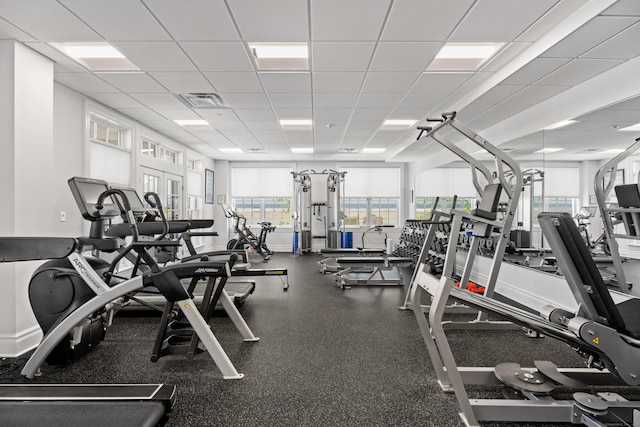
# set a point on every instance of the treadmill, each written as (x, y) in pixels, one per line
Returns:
(237, 289)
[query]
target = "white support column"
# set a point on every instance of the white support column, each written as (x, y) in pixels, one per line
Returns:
(26, 147)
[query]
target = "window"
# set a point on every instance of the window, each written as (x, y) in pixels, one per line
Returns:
(194, 207)
(173, 199)
(370, 210)
(100, 132)
(149, 148)
(194, 165)
(157, 151)
(424, 205)
(276, 210)
(169, 155)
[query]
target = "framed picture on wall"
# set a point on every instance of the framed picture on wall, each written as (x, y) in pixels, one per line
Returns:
(208, 186)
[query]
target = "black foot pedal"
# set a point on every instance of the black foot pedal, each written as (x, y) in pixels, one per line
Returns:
(550, 370)
(512, 375)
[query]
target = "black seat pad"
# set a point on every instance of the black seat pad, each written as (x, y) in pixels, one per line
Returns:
(630, 312)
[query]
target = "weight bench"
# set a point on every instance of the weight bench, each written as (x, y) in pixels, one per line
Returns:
(371, 271)
(331, 262)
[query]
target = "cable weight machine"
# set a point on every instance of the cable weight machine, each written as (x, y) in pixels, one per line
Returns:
(315, 217)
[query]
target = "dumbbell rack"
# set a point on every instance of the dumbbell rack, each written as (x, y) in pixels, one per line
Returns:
(432, 236)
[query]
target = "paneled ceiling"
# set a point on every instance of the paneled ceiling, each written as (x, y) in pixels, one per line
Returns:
(562, 59)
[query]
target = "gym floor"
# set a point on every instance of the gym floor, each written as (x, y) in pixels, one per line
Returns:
(326, 357)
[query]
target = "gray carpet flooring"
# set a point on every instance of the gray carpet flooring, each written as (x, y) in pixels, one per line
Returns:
(326, 357)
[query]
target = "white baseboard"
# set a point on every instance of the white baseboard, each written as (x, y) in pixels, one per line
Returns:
(18, 344)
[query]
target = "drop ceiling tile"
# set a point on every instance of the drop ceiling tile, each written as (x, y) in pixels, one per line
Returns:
(116, 100)
(9, 31)
(389, 81)
(408, 113)
(51, 22)
(286, 82)
(499, 20)
(423, 20)
(293, 113)
(297, 137)
(133, 82)
(360, 136)
(213, 137)
(270, 137)
(535, 70)
(234, 82)
(532, 95)
(290, 100)
(332, 114)
(255, 114)
(141, 113)
(275, 20)
(246, 100)
(182, 82)
(624, 7)
(404, 56)
(228, 126)
(577, 71)
(118, 19)
(333, 125)
(337, 81)
(343, 56)
(439, 82)
(84, 83)
(156, 56)
(370, 114)
(591, 34)
(622, 46)
(158, 100)
(218, 56)
(347, 20)
(379, 100)
(365, 125)
(161, 124)
(423, 100)
(195, 20)
(334, 100)
(258, 125)
(178, 113)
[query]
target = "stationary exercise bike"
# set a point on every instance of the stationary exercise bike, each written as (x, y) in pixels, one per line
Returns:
(246, 238)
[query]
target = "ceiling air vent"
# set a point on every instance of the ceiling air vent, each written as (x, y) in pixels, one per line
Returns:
(256, 150)
(590, 151)
(348, 150)
(202, 100)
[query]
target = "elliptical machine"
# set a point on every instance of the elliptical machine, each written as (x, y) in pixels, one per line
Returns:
(246, 238)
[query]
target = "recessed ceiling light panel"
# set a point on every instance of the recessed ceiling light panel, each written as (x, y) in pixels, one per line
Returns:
(549, 150)
(96, 56)
(231, 150)
(398, 124)
(302, 150)
(296, 124)
(193, 124)
(372, 150)
(561, 124)
(280, 56)
(463, 56)
(633, 128)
